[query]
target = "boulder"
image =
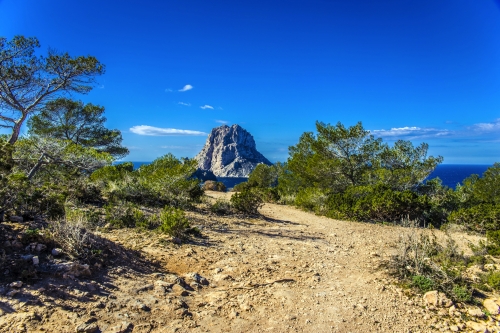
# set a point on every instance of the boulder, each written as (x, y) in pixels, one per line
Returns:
(230, 152)
(492, 307)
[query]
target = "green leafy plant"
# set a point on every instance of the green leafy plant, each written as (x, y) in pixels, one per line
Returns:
(247, 202)
(221, 207)
(173, 222)
(424, 284)
(462, 293)
(493, 279)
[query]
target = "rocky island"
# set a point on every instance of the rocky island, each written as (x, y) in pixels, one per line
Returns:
(229, 152)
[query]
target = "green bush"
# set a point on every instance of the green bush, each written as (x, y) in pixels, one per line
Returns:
(221, 207)
(493, 241)
(125, 215)
(462, 293)
(311, 199)
(166, 181)
(424, 284)
(365, 203)
(241, 187)
(263, 176)
(247, 202)
(493, 279)
(173, 222)
(480, 218)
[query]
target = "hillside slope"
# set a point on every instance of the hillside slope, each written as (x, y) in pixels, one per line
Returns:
(287, 271)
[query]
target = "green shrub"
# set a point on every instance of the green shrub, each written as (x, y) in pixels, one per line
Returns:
(263, 176)
(221, 207)
(312, 199)
(365, 203)
(247, 202)
(462, 293)
(424, 284)
(173, 222)
(166, 181)
(493, 241)
(479, 218)
(493, 279)
(31, 235)
(211, 185)
(241, 187)
(124, 215)
(269, 194)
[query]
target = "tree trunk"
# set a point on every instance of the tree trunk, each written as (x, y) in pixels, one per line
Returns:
(16, 130)
(36, 167)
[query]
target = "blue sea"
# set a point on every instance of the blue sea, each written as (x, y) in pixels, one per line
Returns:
(450, 174)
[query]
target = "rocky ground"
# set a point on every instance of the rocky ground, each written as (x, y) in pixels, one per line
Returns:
(286, 271)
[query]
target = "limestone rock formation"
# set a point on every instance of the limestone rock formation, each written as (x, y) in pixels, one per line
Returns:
(230, 152)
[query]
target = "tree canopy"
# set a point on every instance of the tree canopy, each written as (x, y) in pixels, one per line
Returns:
(65, 119)
(28, 81)
(339, 157)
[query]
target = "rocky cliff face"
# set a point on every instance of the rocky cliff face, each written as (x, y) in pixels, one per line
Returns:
(230, 152)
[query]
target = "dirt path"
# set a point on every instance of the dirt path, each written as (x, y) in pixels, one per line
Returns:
(288, 271)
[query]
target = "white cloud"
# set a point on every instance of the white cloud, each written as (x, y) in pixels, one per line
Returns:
(222, 121)
(411, 132)
(157, 131)
(486, 127)
(206, 106)
(185, 104)
(168, 90)
(186, 88)
(173, 147)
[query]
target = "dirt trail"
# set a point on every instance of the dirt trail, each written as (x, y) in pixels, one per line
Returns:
(287, 271)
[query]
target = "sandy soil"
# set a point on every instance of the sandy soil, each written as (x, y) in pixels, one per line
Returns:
(286, 271)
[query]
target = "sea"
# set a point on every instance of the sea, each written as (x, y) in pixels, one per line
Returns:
(450, 174)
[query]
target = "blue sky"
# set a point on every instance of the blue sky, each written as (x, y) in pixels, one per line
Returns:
(426, 71)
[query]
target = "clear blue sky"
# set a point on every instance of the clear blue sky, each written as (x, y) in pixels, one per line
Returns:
(427, 71)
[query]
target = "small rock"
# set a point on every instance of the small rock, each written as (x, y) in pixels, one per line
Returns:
(36, 261)
(492, 307)
(142, 328)
(176, 240)
(182, 313)
(56, 251)
(454, 328)
(87, 328)
(431, 297)
(452, 310)
(246, 307)
(16, 284)
(27, 257)
(122, 327)
(475, 312)
(40, 247)
(217, 270)
(290, 317)
(17, 219)
(17, 244)
(478, 327)
(80, 270)
(197, 278)
(143, 307)
(12, 293)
